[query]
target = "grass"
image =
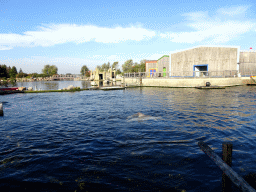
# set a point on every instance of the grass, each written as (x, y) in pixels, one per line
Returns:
(45, 91)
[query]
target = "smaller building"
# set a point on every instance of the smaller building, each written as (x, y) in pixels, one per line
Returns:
(158, 68)
(103, 75)
(151, 67)
(163, 66)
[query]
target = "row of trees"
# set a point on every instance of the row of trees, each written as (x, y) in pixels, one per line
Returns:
(8, 72)
(129, 66)
(106, 66)
(49, 70)
(11, 72)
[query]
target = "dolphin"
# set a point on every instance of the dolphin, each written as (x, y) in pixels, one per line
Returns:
(140, 117)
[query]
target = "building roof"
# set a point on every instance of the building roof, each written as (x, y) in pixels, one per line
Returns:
(151, 61)
(163, 57)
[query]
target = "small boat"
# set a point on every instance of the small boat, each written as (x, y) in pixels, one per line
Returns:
(9, 90)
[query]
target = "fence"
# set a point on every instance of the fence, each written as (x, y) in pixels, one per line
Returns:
(184, 74)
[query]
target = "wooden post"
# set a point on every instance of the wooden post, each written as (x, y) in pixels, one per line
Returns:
(1, 109)
(235, 178)
(227, 158)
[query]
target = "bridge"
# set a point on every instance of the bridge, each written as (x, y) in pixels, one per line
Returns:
(65, 77)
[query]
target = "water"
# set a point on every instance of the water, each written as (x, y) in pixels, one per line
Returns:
(75, 141)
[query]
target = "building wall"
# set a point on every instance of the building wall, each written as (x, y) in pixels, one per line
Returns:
(151, 65)
(163, 62)
(217, 59)
(186, 83)
(247, 64)
(105, 75)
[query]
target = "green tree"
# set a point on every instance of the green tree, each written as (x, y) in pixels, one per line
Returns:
(8, 70)
(50, 70)
(13, 72)
(118, 71)
(115, 65)
(143, 65)
(99, 67)
(85, 71)
(21, 75)
(127, 66)
(3, 71)
(20, 71)
(104, 67)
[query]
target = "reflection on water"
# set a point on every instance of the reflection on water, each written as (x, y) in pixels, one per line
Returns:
(85, 84)
(52, 85)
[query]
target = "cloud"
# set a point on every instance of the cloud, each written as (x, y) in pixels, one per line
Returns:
(64, 33)
(231, 11)
(4, 48)
(215, 29)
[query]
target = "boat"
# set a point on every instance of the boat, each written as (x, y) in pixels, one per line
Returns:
(9, 90)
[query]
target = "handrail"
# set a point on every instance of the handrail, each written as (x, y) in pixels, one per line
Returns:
(233, 176)
(184, 74)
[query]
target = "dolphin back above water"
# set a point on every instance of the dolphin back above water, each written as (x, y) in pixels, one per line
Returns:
(140, 117)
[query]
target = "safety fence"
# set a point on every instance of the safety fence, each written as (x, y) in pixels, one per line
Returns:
(187, 74)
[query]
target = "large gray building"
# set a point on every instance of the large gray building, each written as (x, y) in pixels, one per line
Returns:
(210, 60)
(247, 66)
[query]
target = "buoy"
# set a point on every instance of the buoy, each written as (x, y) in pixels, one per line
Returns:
(1, 109)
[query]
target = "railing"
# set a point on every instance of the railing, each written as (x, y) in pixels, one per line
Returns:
(229, 173)
(185, 74)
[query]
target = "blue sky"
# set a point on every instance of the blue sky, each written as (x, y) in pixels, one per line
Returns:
(70, 34)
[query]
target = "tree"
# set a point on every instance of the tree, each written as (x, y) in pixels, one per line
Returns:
(99, 67)
(21, 75)
(50, 70)
(20, 71)
(13, 72)
(143, 65)
(3, 71)
(115, 65)
(104, 67)
(8, 70)
(118, 71)
(127, 66)
(85, 71)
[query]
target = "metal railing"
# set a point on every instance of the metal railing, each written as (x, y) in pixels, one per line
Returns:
(185, 74)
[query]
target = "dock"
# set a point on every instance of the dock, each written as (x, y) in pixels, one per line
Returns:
(210, 87)
(111, 88)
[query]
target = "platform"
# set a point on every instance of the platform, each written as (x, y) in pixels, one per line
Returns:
(210, 87)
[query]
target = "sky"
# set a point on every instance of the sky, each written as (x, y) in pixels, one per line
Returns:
(73, 33)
